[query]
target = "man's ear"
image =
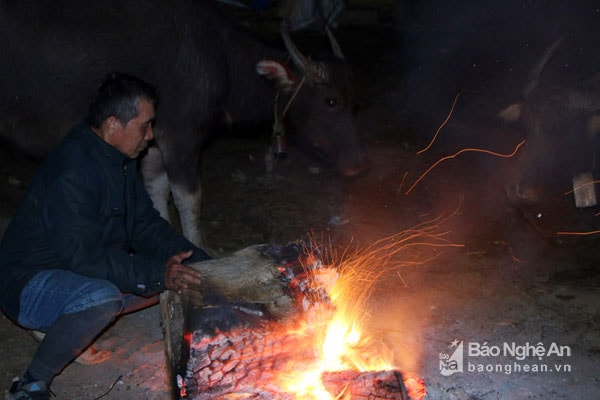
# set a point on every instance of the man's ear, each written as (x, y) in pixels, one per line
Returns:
(110, 124)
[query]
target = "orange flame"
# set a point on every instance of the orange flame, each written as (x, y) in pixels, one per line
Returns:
(340, 342)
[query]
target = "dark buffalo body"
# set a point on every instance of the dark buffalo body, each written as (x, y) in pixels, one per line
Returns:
(563, 138)
(560, 115)
(554, 184)
(54, 54)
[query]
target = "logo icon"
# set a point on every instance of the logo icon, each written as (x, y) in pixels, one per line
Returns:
(451, 364)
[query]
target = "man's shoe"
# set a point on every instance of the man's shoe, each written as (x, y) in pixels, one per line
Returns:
(31, 391)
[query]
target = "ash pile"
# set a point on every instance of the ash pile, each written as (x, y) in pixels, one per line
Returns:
(252, 349)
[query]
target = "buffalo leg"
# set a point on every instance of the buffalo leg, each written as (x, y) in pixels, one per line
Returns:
(188, 204)
(178, 174)
(156, 180)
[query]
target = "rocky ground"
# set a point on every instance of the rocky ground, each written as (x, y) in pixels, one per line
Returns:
(506, 283)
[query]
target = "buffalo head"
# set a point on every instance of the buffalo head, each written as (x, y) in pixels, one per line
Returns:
(316, 100)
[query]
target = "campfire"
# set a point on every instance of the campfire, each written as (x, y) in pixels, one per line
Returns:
(323, 350)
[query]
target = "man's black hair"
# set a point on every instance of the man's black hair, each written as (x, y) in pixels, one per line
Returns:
(118, 95)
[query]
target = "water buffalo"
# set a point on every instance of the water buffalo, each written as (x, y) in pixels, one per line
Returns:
(208, 70)
(562, 126)
(554, 185)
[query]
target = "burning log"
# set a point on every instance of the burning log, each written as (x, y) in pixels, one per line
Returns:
(258, 282)
(250, 275)
(238, 342)
(240, 362)
(246, 363)
(365, 385)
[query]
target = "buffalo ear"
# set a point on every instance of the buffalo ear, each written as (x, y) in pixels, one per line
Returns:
(593, 126)
(276, 71)
(511, 113)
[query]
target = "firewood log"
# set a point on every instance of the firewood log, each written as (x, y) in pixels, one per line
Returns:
(246, 276)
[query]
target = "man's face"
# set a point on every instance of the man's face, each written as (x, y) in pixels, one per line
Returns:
(131, 139)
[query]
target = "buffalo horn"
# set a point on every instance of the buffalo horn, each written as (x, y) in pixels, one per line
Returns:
(311, 70)
(536, 71)
(335, 46)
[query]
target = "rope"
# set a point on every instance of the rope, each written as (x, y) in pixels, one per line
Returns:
(277, 127)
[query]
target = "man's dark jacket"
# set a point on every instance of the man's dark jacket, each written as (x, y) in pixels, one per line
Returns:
(87, 211)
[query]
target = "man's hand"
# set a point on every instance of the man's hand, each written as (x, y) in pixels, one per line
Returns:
(180, 277)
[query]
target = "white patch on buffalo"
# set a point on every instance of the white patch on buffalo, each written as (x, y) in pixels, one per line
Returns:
(584, 190)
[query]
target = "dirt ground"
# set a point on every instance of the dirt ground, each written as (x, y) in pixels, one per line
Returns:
(506, 284)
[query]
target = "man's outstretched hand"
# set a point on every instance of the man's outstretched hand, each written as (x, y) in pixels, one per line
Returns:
(180, 277)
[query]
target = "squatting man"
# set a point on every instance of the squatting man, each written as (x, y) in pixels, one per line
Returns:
(85, 244)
